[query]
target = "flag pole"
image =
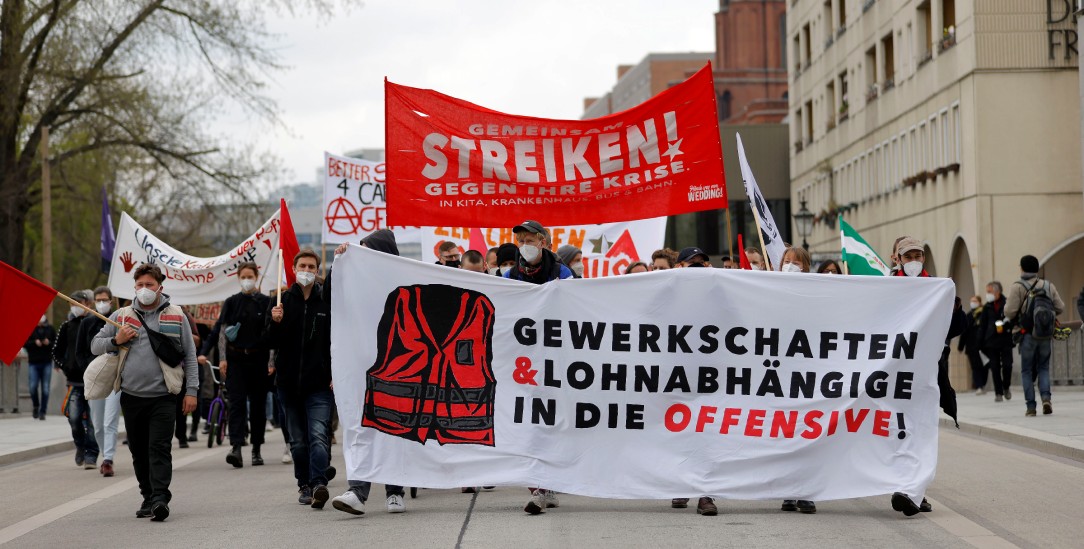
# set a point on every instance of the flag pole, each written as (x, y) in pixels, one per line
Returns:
(278, 294)
(88, 309)
(729, 238)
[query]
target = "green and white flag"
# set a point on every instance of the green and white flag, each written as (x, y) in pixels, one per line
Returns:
(860, 257)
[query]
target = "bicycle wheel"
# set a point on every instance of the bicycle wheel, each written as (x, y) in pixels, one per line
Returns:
(212, 422)
(223, 421)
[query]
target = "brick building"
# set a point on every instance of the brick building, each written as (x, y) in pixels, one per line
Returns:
(750, 61)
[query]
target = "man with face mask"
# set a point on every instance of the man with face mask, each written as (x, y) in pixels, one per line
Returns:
(238, 334)
(996, 341)
(693, 257)
(66, 357)
(912, 259)
(149, 387)
(104, 413)
(300, 332)
(535, 263)
(38, 347)
(506, 259)
(448, 254)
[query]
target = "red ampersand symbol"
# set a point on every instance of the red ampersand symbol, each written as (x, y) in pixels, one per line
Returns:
(523, 374)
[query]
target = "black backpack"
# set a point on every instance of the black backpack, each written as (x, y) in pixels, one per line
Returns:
(1037, 316)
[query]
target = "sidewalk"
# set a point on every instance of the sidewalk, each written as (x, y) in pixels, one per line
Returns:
(23, 438)
(1060, 434)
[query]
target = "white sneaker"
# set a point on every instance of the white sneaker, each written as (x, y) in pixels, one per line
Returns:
(535, 505)
(286, 456)
(349, 503)
(549, 497)
(979, 392)
(396, 504)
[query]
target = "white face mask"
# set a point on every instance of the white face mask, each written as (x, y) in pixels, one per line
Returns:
(78, 311)
(494, 270)
(248, 284)
(103, 307)
(505, 269)
(529, 252)
(578, 269)
(974, 305)
(990, 298)
(912, 268)
(146, 296)
(755, 267)
(306, 278)
(791, 268)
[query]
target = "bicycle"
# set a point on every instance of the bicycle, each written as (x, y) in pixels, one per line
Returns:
(218, 414)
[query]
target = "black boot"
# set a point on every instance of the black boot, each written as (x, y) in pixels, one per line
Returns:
(234, 457)
(257, 459)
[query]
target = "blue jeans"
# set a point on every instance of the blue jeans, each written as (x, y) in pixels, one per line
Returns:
(41, 374)
(82, 425)
(1035, 364)
(105, 414)
(309, 419)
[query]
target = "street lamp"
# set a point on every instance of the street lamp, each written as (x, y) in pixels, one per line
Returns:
(803, 221)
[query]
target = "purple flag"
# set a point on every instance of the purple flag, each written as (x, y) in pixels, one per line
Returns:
(109, 239)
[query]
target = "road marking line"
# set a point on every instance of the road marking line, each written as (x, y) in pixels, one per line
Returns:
(966, 529)
(28, 525)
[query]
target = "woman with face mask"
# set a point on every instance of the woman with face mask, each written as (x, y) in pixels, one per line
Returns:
(243, 361)
(571, 257)
(796, 260)
(104, 413)
(971, 343)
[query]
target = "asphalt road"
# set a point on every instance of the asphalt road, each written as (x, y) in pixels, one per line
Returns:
(986, 494)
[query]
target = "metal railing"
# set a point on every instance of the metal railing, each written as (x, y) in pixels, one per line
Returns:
(1067, 357)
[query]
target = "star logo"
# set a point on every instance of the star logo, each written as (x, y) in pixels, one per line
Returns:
(673, 149)
(600, 245)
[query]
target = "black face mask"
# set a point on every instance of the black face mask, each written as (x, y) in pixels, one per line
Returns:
(453, 263)
(698, 265)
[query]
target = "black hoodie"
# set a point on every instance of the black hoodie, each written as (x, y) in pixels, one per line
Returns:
(382, 240)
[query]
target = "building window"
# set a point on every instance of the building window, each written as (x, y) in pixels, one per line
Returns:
(829, 33)
(948, 24)
(871, 74)
(797, 53)
(889, 61)
(946, 144)
(956, 131)
(830, 105)
(809, 122)
(935, 151)
(842, 14)
(725, 101)
(925, 33)
(782, 41)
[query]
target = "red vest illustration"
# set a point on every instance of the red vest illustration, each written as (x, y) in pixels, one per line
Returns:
(433, 374)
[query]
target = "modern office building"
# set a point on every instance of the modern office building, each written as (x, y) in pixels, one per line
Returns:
(953, 121)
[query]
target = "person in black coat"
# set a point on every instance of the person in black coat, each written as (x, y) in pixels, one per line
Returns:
(997, 345)
(40, 359)
(238, 335)
(971, 344)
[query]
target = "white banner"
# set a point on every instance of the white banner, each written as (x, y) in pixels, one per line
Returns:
(192, 280)
(354, 203)
(668, 384)
(608, 248)
(769, 231)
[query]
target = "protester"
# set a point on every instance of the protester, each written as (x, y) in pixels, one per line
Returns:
(572, 257)
(448, 254)
(756, 261)
(506, 258)
(636, 267)
(39, 356)
(829, 267)
(66, 357)
(728, 262)
(894, 256)
(473, 261)
(353, 500)
(182, 417)
(663, 259)
(693, 257)
(104, 413)
(147, 400)
(492, 265)
(1032, 306)
(796, 260)
(971, 345)
(911, 256)
(238, 334)
(535, 262)
(996, 341)
(300, 331)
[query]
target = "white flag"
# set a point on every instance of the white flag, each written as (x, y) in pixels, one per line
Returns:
(769, 231)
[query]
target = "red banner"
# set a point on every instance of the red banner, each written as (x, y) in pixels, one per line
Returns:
(451, 162)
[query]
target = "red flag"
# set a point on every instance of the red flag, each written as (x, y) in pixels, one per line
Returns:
(743, 260)
(455, 163)
(287, 242)
(23, 301)
(478, 241)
